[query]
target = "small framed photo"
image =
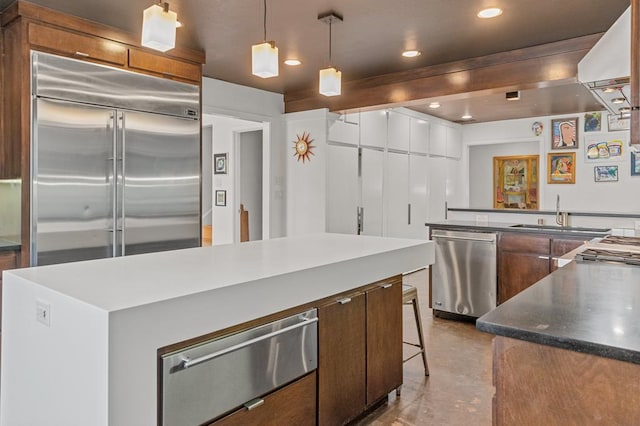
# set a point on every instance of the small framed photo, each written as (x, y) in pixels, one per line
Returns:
(593, 122)
(635, 163)
(564, 133)
(220, 164)
(617, 123)
(561, 167)
(221, 198)
(605, 173)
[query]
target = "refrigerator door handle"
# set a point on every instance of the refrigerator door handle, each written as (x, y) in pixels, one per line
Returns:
(121, 183)
(114, 190)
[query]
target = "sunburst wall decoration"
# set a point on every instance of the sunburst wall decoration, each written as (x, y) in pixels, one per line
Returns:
(303, 146)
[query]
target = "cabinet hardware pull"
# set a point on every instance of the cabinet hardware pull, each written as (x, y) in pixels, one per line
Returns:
(344, 301)
(254, 403)
(85, 55)
(186, 363)
(386, 285)
(544, 257)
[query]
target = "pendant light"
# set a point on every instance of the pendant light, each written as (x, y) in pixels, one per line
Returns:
(159, 27)
(264, 56)
(330, 78)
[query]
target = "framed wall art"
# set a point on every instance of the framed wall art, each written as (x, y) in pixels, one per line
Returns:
(561, 167)
(220, 164)
(221, 198)
(617, 123)
(593, 122)
(600, 148)
(605, 173)
(564, 133)
(515, 182)
(635, 163)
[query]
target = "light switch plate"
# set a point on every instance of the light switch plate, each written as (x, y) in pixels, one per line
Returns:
(43, 312)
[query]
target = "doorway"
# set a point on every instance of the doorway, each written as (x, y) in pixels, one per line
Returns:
(249, 188)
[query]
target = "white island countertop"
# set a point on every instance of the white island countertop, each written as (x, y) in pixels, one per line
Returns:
(109, 317)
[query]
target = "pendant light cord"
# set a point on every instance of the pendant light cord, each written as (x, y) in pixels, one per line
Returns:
(265, 20)
(330, 22)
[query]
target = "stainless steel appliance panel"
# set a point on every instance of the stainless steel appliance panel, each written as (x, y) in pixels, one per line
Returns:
(72, 191)
(203, 382)
(58, 77)
(160, 195)
(464, 276)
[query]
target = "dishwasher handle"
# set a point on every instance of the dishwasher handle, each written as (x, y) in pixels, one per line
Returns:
(491, 239)
(187, 363)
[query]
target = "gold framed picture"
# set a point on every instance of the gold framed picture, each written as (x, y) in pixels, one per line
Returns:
(561, 167)
(515, 182)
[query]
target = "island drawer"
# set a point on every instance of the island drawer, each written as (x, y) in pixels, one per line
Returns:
(524, 243)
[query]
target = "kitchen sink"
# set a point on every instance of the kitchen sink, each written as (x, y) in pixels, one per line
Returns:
(561, 228)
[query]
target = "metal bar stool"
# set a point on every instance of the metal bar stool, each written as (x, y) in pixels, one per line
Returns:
(410, 297)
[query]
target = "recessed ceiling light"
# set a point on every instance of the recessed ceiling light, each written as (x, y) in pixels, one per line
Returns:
(617, 100)
(467, 117)
(624, 110)
(609, 90)
(293, 62)
(491, 12)
(411, 53)
(434, 105)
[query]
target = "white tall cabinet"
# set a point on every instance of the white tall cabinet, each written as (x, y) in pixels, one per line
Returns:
(394, 175)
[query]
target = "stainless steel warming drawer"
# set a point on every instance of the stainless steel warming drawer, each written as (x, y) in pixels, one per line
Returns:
(202, 382)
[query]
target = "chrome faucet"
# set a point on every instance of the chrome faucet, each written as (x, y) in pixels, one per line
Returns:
(562, 218)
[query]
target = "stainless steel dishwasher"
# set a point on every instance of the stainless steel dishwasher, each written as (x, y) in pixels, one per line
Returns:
(202, 382)
(464, 276)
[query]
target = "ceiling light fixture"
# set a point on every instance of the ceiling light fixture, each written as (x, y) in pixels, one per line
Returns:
(264, 56)
(330, 78)
(467, 117)
(624, 110)
(159, 27)
(293, 62)
(434, 105)
(491, 12)
(618, 100)
(411, 53)
(609, 89)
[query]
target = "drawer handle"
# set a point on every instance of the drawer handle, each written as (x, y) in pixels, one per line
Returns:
(386, 285)
(85, 55)
(254, 403)
(187, 363)
(544, 257)
(344, 301)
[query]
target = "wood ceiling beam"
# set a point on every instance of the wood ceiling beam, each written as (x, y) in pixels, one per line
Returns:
(538, 66)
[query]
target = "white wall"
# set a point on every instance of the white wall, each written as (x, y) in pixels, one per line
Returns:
(583, 196)
(306, 182)
(241, 102)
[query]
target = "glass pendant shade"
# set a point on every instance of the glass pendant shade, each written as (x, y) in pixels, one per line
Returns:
(264, 60)
(159, 28)
(330, 84)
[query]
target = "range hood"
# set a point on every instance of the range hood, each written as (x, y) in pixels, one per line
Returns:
(605, 70)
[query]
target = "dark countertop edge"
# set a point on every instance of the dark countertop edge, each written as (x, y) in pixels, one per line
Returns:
(620, 354)
(6, 245)
(545, 212)
(508, 228)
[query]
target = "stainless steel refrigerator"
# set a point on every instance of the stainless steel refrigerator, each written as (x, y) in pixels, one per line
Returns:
(116, 162)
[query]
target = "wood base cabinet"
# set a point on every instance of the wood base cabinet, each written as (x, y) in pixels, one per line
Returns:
(360, 351)
(524, 259)
(294, 404)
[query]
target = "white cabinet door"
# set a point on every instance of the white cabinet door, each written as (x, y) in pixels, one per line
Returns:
(345, 131)
(437, 139)
(437, 188)
(396, 190)
(342, 189)
(373, 128)
(418, 181)
(454, 142)
(419, 136)
(399, 131)
(372, 169)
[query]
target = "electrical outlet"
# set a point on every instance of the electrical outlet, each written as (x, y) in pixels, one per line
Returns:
(43, 312)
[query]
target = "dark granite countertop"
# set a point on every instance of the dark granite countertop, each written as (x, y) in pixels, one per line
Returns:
(585, 307)
(501, 227)
(7, 245)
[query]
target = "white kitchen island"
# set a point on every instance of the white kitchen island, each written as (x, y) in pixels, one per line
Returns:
(95, 362)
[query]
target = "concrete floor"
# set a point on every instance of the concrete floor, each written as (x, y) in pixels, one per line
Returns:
(458, 390)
